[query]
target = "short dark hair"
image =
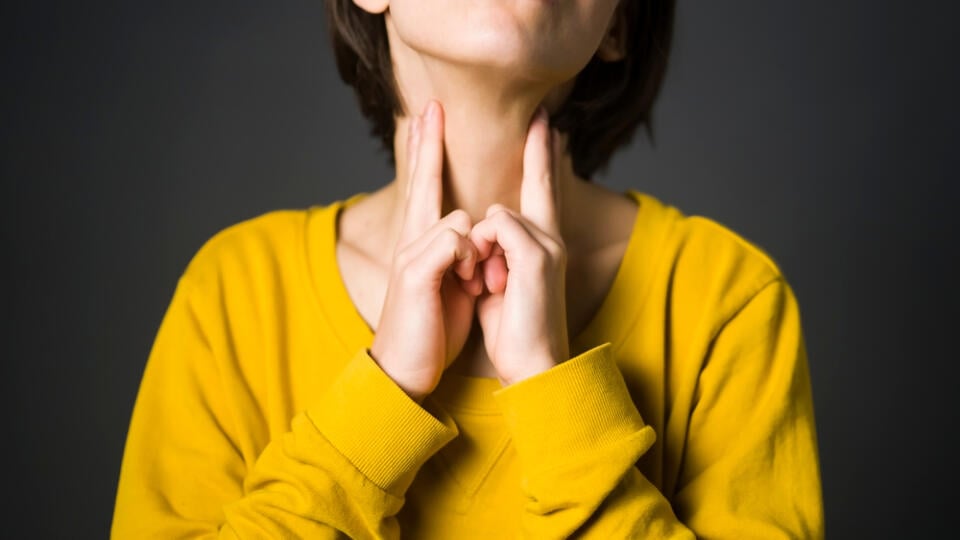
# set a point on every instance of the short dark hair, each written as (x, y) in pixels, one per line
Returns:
(609, 100)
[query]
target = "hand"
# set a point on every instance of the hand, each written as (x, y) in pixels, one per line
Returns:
(523, 315)
(427, 312)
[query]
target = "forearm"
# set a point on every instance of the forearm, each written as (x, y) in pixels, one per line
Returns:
(342, 469)
(579, 436)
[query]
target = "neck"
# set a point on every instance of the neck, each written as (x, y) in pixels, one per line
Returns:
(483, 148)
(486, 118)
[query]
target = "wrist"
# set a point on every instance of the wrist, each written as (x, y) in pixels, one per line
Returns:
(409, 387)
(530, 367)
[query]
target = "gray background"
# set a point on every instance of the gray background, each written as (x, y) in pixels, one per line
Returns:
(822, 131)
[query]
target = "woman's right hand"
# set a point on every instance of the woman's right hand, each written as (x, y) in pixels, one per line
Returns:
(427, 312)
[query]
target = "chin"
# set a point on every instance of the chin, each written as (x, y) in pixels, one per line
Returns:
(534, 38)
(511, 52)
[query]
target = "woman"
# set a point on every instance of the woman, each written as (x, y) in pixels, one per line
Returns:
(490, 345)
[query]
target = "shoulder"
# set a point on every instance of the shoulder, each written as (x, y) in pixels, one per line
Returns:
(720, 252)
(254, 249)
(704, 268)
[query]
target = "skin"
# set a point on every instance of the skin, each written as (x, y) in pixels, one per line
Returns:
(464, 258)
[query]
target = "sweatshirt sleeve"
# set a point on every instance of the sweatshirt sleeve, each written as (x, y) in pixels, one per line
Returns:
(750, 466)
(341, 470)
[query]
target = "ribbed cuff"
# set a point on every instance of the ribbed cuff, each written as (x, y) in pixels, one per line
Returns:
(570, 410)
(386, 435)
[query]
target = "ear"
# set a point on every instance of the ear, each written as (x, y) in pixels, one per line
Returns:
(613, 48)
(373, 6)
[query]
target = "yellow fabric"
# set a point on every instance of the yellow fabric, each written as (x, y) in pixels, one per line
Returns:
(686, 409)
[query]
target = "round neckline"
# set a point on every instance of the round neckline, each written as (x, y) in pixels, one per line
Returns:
(610, 322)
(332, 295)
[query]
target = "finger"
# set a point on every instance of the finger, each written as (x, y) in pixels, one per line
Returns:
(458, 220)
(413, 142)
(558, 143)
(503, 229)
(494, 273)
(425, 197)
(448, 249)
(537, 190)
(542, 238)
(466, 266)
(474, 285)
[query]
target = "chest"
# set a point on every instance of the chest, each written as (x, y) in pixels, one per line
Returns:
(472, 486)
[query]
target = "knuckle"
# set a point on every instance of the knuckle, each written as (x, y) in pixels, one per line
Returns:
(458, 219)
(495, 208)
(540, 258)
(408, 268)
(406, 276)
(402, 257)
(557, 250)
(449, 237)
(416, 275)
(449, 241)
(501, 216)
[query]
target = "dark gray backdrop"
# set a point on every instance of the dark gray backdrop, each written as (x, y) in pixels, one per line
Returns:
(823, 131)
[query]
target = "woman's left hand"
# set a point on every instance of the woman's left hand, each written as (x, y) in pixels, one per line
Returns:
(523, 313)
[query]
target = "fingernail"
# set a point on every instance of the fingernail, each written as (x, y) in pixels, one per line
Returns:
(544, 115)
(431, 110)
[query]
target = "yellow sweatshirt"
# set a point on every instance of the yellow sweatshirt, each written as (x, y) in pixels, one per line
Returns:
(685, 411)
